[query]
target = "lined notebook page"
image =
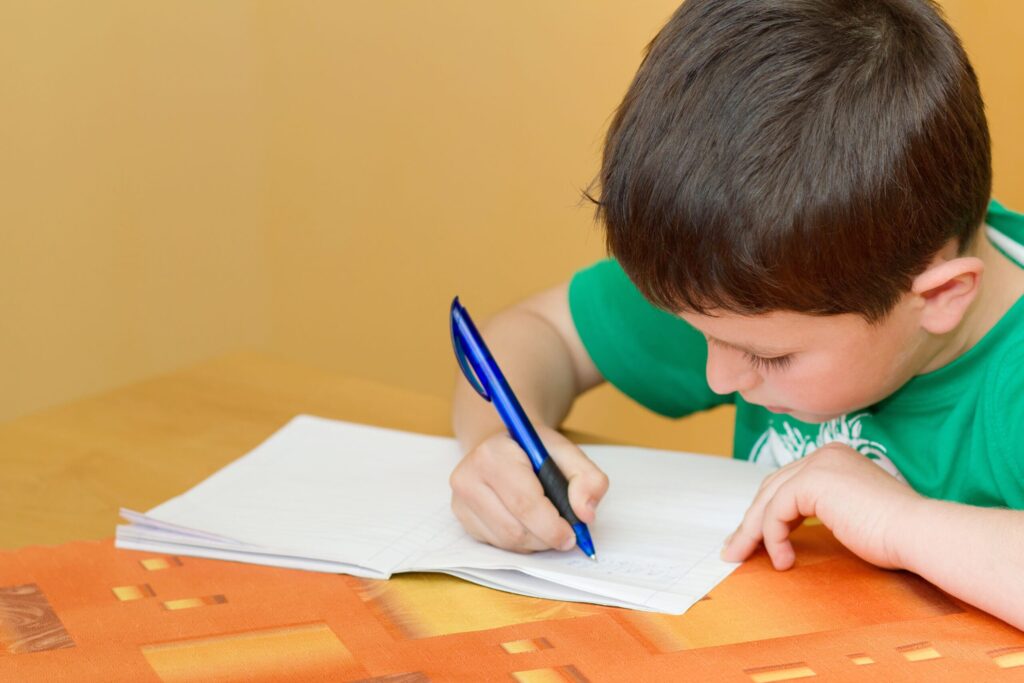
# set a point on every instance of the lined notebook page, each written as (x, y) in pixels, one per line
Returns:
(658, 532)
(327, 490)
(334, 496)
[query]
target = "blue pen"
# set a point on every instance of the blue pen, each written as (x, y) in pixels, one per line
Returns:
(485, 376)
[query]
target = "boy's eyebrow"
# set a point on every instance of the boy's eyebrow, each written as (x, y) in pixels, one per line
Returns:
(745, 349)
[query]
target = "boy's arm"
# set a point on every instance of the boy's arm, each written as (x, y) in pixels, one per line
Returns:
(536, 344)
(976, 554)
(495, 494)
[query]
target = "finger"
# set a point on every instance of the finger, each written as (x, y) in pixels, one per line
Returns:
(519, 492)
(488, 520)
(795, 501)
(587, 483)
(586, 491)
(473, 525)
(748, 534)
(741, 545)
(782, 514)
(782, 474)
(779, 523)
(475, 485)
(525, 501)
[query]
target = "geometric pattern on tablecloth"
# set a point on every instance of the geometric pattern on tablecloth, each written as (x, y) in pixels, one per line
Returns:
(831, 617)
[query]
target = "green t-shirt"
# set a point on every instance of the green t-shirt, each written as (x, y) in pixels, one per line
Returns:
(956, 433)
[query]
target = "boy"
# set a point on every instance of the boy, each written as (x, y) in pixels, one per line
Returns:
(796, 193)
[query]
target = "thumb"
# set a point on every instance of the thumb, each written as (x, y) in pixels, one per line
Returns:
(587, 483)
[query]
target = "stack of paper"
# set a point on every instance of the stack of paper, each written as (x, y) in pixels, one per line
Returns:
(332, 496)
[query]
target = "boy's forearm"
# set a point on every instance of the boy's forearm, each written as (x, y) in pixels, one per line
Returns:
(536, 364)
(973, 553)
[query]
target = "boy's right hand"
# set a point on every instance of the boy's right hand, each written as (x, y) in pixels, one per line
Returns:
(499, 499)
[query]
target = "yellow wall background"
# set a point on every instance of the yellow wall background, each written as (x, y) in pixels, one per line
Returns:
(317, 179)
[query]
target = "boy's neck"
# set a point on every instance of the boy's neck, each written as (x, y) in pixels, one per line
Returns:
(1001, 286)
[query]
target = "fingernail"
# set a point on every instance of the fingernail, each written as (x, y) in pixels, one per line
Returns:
(569, 544)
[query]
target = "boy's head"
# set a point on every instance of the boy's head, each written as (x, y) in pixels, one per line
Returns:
(781, 157)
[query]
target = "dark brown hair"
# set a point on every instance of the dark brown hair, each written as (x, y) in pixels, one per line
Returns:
(801, 155)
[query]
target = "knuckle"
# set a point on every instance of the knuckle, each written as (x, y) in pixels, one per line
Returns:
(553, 536)
(465, 519)
(485, 450)
(481, 456)
(743, 533)
(498, 457)
(750, 521)
(771, 511)
(514, 535)
(523, 549)
(459, 482)
(500, 445)
(830, 451)
(476, 533)
(520, 504)
(460, 509)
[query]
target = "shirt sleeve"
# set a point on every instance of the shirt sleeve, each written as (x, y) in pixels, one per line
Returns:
(655, 358)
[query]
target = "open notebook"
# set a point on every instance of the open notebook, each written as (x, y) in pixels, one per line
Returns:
(332, 496)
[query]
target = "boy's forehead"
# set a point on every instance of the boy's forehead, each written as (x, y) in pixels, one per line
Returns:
(771, 333)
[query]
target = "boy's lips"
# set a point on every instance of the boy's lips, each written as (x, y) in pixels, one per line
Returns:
(774, 409)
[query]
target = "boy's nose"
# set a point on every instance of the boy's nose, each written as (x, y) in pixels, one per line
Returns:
(728, 371)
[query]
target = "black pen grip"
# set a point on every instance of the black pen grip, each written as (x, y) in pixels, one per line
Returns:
(556, 488)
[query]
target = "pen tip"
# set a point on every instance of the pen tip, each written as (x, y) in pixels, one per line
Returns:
(593, 556)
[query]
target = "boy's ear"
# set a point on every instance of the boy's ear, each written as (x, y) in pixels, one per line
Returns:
(947, 289)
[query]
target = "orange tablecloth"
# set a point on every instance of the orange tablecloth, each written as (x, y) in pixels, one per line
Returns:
(84, 611)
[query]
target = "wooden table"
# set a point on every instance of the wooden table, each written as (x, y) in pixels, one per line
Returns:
(65, 472)
(104, 614)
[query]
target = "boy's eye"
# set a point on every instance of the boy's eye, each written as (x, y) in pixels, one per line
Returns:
(776, 363)
(760, 362)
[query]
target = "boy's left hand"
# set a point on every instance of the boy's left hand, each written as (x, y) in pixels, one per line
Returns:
(863, 505)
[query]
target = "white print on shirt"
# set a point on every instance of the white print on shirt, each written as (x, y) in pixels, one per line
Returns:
(780, 448)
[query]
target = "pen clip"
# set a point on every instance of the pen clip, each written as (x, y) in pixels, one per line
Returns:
(460, 353)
